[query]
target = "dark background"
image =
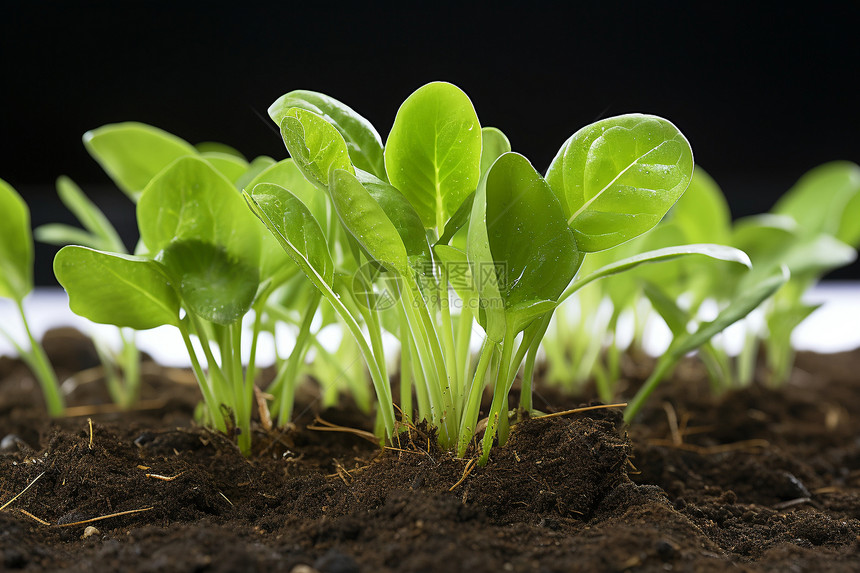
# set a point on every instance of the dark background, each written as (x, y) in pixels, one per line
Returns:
(762, 94)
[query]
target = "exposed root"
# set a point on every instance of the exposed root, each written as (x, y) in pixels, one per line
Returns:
(29, 485)
(578, 410)
(102, 517)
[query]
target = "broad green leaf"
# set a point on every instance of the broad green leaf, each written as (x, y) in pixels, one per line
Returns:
(61, 235)
(702, 212)
(111, 288)
(819, 200)
(16, 245)
(189, 201)
(491, 314)
(295, 227)
(402, 215)
(616, 178)
(534, 250)
(741, 305)
(90, 216)
(719, 252)
(228, 165)
(433, 153)
(315, 145)
(817, 255)
(362, 139)
(133, 153)
(257, 166)
(205, 147)
(286, 174)
(211, 283)
(494, 143)
(366, 221)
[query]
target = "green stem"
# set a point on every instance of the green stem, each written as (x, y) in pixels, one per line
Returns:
(456, 384)
(430, 375)
(130, 368)
(202, 382)
(287, 376)
(469, 418)
(242, 389)
(464, 339)
(746, 361)
(38, 362)
(663, 367)
(532, 345)
(499, 394)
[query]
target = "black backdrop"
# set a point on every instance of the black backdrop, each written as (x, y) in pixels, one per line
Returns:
(762, 94)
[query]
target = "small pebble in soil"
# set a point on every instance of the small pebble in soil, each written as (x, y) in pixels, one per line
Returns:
(302, 568)
(336, 562)
(90, 531)
(10, 443)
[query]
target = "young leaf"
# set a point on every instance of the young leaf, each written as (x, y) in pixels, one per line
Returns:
(90, 216)
(457, 220)
(616, 178)
(228, 165)
(315, 145)
(530, 241)
(192, 201)
(494, 143)
(719, 252)
(61, 235)
(819, 201)
(211, 283)
(214, 146)
(740, 306)
(286, 174)
(364, 218)
(16, 245)
(702, 212)
(110, 288)
(433, 153)
(133, 153)
(362, 139)
(483, 267)
(257, 166)
(290, 221)
(403, 216)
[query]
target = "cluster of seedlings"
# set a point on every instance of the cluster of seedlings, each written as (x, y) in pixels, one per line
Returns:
(438, 239)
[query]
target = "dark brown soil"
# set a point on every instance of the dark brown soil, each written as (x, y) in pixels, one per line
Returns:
(758, 480)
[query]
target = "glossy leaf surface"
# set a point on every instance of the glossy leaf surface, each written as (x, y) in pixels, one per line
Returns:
(369, 225)
(530, 241)
(315, 145)
(212, 284)
(192, 201)
(618, 177)
(362, 140)
(433, 153)
(295, 227)
(109, 288)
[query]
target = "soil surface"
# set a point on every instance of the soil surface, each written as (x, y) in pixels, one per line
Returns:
(755, 480)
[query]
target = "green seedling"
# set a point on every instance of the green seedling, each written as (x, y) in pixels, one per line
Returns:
(121, 369)
(813, 229)
(16, 282)
(454, 208)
